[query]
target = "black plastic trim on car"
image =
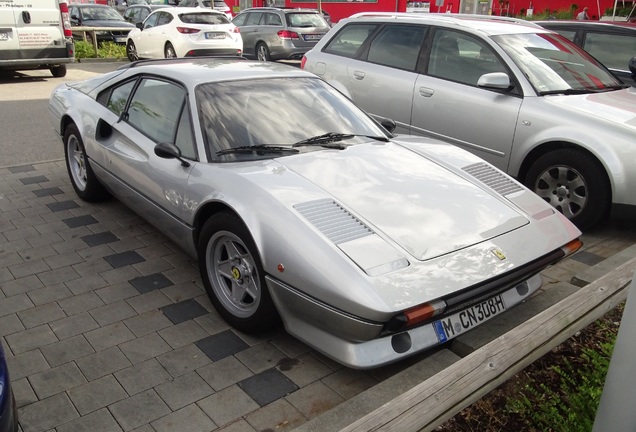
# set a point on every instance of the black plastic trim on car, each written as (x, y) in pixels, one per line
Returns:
(179, 60)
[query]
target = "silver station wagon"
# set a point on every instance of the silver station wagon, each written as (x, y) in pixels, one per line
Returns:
(299, 205)
(526, 99)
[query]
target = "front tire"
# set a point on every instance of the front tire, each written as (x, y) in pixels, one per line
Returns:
(262, 52)
(169, 51)
(573, 182)
(131, 51)
(83, 179)
(58, 71)
(233, 275)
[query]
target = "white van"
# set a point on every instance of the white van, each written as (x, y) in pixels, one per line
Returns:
(35, 34)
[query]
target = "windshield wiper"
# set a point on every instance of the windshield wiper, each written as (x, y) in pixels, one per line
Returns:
(569, 91)
(259, 149)
(325, 140)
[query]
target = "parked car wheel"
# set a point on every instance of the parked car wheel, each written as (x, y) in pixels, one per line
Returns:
(169, 51)
(58, 71)
(131, 51)
(82, 177)
(262, 52)
(573, 182)
(233, 275)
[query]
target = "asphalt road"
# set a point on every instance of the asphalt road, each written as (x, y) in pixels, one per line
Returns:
(26, 133)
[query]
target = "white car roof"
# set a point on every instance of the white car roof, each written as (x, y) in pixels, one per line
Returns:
(185, 10)
(488, 24)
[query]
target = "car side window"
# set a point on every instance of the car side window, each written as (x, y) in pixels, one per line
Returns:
(184, 139)
(164, 18)
(239, 20)
(397, 46)
(348, 42)
(570, 34)
(462, 58)
(115, 99)
(128, 14)
(152, 109)
(273, 20)
(614, 51)
(151, 21)
(254, 18)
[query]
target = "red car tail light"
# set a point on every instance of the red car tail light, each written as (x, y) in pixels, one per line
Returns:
(236, 30)
(186, 30)
(66, 19)
(302, 62)
(286, 34)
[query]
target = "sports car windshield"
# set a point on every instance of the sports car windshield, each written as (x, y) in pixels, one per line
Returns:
(268, 114)
(553, 64)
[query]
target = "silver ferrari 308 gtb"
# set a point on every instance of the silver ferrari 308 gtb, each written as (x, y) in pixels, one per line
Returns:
(370, 247)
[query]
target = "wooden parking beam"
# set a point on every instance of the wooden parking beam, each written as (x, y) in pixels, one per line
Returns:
(439, 398)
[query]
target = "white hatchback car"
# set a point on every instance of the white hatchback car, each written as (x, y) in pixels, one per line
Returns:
(184, 32)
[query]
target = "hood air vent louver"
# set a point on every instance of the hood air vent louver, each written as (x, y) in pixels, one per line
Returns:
(492, 178)
(336, 223)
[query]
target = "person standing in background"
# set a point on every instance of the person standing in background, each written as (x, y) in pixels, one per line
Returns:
(582, 16)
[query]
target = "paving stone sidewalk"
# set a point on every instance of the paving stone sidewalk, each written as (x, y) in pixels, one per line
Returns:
(106, 327)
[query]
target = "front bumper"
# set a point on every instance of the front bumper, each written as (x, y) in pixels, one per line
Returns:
(308, 320)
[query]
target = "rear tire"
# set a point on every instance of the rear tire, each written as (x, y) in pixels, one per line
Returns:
(58, 71)
(262, 52)
(83, 179)
(169, 51)
(573, 182)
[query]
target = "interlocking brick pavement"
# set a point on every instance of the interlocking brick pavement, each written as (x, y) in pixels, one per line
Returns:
(107, 327)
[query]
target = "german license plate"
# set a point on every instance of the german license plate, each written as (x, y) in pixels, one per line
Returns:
(452, 326)
(214, 35)
(312, 37)
(120, 39)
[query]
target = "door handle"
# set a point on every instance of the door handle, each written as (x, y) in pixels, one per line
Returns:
(358, 75)
(426, 92)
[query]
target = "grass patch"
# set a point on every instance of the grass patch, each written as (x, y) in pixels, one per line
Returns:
(560, 392)
(104, 50)
(570, 403)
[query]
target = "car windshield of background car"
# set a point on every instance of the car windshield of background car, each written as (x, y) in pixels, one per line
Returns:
(305, 20)
(101, 14)
(553, 63)
(279, 111)
(203, 18)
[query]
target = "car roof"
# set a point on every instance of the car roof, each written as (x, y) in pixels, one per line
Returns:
(91, 5)
(617, 25)
(197, 70)
(186, 10)
(488, 24)
(283, 9)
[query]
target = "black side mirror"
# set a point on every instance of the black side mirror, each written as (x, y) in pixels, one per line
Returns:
(388, 124)
(140, 25)
(632, 67)
(170, 151)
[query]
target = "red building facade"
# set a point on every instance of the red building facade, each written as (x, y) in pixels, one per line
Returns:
(342, 9)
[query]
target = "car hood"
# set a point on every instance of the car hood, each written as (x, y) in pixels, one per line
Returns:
(615, 106)
(107, 23)
(441, 209)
